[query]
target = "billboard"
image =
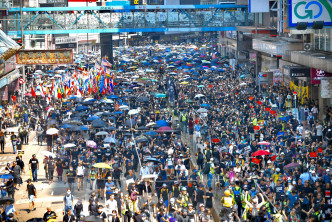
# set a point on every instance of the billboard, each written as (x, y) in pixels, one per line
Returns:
(41, 57)
(310, 11)
(317, 75)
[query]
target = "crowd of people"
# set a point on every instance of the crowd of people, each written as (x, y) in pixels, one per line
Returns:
(181, 135)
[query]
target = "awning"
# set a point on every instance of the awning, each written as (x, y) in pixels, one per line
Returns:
(8, 47)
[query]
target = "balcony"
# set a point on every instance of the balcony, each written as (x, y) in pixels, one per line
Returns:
(317, 60)
(277, 46)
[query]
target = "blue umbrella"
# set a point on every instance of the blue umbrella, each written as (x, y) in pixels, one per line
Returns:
(221, 70)
(118, 113)
(66, 103)
(65, 126)
(81, 108)
(128, 90)
(161, 123)
(151, 133)
(93, 118)
(6, 176)
(160, 95)
(205, 105)
(111, 128)
(73, 97)
(113, 97)
(84, 128)
(242, 76)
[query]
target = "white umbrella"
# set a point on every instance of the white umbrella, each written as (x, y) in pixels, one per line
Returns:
(202, 110)
(151, 124)
(108, 101)
(69, 145)
(52, 131)
(88, 99)
(110, 140)
(102, 133)
(133, 112)
(199, 96)
(243, 84)
(123, 107)
(12, 130)
(48, 153)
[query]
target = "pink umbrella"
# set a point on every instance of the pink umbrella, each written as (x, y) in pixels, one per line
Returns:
(261, 153)
(165, 129)
(91, 144)
(28, 94)
(264, 143)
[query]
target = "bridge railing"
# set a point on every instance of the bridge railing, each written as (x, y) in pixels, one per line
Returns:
(159, 19)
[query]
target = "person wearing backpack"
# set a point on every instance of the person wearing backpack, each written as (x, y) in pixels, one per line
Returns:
(68, 200)
(200, 159)
(78, 208)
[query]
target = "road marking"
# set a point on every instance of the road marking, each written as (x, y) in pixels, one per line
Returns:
(52, 193)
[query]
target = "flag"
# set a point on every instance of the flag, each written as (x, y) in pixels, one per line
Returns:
(256, 127)
(272, 112)
(214, 56)
(215, 140)
(319, 150)
(52, 86)
(267, 109)
(33, 93)
(313, 154)
(14, 98)
(259, 102)
(273, 158)
(112, 84)
(42, 91)
(251, 98)
(106, 63)
(59, 93)
(255, 160)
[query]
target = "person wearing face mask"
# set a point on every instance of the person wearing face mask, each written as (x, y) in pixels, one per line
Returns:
(11, 218)
(68, 200)
(71, 177)
(114, 217)
(93, 204)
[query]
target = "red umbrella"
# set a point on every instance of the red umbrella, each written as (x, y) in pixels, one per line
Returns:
(261, 153)
(165, 129)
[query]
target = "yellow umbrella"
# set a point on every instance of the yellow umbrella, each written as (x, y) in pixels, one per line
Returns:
(184, 83)
(102, 165)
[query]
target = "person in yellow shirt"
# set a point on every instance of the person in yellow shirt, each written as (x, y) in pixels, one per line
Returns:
(228, 207)
(276, 175)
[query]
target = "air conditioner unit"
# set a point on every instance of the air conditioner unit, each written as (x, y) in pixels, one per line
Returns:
(307, 46)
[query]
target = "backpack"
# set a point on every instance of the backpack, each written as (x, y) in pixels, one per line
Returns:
(72, 198)
(237, 195)
(133, 196)
(200, 158)
(206, 169)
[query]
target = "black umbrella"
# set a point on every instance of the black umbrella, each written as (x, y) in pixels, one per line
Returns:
(98, 123)
(79, 114)
(143, 128)
(152, 159)
(142, 140)
(130, 122)
(6, 199)
(143, 99)
(87, 103)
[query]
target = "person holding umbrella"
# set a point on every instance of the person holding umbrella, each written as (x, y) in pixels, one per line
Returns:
(32, 194)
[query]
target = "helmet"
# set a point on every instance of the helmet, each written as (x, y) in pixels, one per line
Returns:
(227, 193)
(184, 189)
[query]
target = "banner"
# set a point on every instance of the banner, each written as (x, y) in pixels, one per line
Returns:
(302, 92)
(32, 57)
(317, 75)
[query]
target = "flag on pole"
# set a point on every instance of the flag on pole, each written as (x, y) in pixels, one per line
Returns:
(33, 93)
(255, 160)
(106, 63)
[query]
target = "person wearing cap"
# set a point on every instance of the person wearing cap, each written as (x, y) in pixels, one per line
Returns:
(173, 208)
(175, 190)
(228, 205)
(32, 194)
(164, 194)
(183, 198)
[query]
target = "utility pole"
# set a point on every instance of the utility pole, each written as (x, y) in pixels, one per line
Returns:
(22, 40)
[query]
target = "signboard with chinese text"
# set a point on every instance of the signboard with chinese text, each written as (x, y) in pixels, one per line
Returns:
(34, 57)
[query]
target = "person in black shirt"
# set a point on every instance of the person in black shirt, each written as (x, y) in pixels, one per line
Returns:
(71, 177)
(31, 194)
(48, 214)
(34, 166)
(68, 217)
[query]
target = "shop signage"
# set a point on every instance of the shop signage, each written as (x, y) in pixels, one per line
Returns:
(310, 11)
(3, 82)
(317, 75)
(299, 71)
(34, 57)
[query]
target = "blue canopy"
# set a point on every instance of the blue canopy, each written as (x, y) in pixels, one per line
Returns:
(93, 118)
(162, 123)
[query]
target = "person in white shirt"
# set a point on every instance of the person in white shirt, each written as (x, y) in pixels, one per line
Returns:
(144, 170)
(80, 175)
(111, 204)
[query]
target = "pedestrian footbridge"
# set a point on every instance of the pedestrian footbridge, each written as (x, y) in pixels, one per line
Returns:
(117, 19)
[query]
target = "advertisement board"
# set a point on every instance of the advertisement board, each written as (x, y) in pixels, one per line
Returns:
(41, 57)
(310, 11)
(317, 75)
(297, 71)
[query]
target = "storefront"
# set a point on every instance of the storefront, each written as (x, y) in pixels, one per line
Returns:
(300, 81)
(10, 81)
